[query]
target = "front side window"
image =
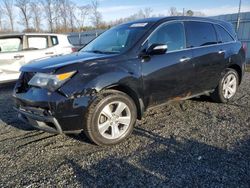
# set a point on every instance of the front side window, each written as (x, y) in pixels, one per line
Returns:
(172, 34)
(37, 42)
(10, 44)
(200, 34)
(223, 35)
(118, 39)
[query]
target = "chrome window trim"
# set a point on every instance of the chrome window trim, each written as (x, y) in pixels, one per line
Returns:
(201, 47)
(183, 22)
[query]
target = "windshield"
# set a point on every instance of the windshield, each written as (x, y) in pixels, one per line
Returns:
(118, 39)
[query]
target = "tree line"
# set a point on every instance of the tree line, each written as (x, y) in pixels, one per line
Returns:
(63, 16)
(57, 15)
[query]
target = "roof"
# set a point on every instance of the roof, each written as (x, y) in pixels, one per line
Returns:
(28, 34)
(225, 24)
(170, 18)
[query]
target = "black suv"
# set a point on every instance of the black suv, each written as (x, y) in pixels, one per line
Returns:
(104, 88)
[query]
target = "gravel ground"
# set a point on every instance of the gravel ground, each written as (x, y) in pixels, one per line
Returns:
(194, 143)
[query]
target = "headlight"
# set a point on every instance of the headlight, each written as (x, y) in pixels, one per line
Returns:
(50, 81)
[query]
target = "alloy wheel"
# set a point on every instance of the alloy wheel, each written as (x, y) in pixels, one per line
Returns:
(229, 86)
(114, 120)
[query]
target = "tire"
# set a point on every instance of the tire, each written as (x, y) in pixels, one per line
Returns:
(105, 125)
(220, 94)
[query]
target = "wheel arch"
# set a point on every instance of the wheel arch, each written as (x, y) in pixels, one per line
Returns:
(237, 68)
(132, 94)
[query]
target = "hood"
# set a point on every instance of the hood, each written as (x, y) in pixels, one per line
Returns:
(54, 63)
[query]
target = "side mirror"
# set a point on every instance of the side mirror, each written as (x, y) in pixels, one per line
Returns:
(157, 49)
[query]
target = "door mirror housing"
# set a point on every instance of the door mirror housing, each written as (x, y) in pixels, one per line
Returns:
(157, 49)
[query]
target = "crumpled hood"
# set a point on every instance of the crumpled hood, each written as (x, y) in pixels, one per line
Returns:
(54, 63)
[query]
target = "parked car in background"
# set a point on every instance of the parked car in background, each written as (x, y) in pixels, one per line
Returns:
(107, 86)
(17, 50)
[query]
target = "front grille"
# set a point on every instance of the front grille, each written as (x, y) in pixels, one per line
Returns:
(22, 85)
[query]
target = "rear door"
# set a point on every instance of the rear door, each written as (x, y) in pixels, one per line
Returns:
(11, 57)
(207, 53)
(226, 44)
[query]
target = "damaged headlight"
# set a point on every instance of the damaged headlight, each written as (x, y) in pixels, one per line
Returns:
(50, 81)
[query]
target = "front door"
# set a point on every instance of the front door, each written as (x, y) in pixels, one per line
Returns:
(168, 76)
(11, 58)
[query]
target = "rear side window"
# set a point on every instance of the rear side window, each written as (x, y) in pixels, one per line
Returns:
(10, 44)
(173, 35)
(200, 34)
(223, 35)
(37, 42)
(54, 40)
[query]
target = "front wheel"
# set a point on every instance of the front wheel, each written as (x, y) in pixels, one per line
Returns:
(227, 87)
(110, 118)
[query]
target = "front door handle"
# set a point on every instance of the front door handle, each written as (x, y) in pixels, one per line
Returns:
(18, 56)
(184, 59)
(221, 51)
(49, 53)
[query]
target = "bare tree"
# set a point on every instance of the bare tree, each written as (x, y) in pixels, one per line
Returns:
(48, 9)
(147, 12)
(96, 16)
(56, 14)
(173, 12)
(64, 15)
(36, 14)
(71, 15)
(83, 13)
(143, 13)
(1, 18)
(9, 12)
(63, 12)
(24, 6)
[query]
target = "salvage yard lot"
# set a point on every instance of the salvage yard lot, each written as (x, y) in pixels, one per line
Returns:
(190, 143)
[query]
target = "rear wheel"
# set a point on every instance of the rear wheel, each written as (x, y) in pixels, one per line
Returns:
(227, 87)
(111, 118)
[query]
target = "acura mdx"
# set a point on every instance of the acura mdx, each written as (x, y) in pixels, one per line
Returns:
(105, 87)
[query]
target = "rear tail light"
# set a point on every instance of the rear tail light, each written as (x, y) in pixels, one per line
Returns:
(244, 46)
(74, 49)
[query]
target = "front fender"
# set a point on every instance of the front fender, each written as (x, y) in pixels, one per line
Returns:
(112, 79)
(93, 84)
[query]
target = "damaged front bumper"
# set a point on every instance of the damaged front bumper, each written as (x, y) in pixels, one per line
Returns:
(50, 111)
(37, 119)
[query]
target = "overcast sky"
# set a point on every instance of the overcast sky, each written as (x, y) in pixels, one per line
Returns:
(114, 9)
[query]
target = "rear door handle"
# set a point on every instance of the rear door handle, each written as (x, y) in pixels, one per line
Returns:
(49, 53)
(184, 59)
(18, 56)
(221, 51)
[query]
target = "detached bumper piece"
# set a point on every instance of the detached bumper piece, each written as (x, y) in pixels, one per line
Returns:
(39, 119)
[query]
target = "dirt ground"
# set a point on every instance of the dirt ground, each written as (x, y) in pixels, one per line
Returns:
(194, 143)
